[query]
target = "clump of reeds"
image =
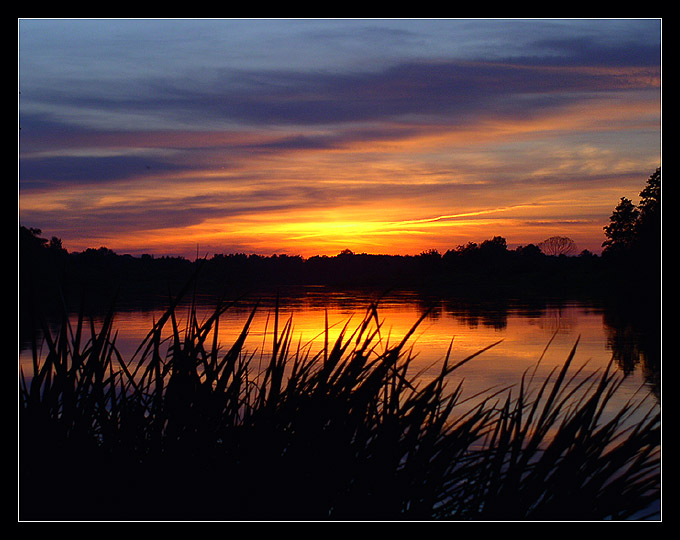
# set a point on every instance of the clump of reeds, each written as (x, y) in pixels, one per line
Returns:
(187, 430)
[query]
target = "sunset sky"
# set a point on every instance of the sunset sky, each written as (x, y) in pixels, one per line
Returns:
(310, 136)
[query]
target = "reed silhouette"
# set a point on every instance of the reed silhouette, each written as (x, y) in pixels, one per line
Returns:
(189, 430)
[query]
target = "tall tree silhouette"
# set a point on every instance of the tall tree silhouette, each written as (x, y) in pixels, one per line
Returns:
(637, 230)
(648, 229)
(621, 230)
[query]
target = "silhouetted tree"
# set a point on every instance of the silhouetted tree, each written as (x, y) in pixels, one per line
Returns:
(55, 243)
(430, 253)
(648, 226)
(31, 244)
(41, 268)
(620, 232)
(558, 245)
(530, 250)
(497, 244)
(469, 247)
(30, 239)
(637, 230)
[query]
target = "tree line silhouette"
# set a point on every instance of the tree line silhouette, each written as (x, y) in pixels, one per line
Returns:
(631, 257)
(489, 267)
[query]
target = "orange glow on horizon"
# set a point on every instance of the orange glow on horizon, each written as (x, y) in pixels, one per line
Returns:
(327, 233)
(413, 188)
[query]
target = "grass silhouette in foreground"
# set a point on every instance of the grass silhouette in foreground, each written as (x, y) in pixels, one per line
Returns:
(186, 430)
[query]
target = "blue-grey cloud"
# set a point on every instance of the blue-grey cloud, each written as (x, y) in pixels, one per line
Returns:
(459, 88)
(459, 91)
(39, 172)
(583, 51)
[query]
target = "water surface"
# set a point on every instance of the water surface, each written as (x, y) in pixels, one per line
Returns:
(523, 333)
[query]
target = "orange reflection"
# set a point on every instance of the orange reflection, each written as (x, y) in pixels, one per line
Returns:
(523, 334)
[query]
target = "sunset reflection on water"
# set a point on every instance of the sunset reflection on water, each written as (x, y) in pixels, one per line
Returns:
(522, 334)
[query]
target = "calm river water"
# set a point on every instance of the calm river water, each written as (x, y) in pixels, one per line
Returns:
(524, 331)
